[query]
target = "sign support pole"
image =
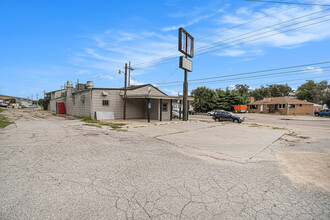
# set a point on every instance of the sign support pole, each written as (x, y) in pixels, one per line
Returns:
(185, 89)
(186, 64)
(185, 96)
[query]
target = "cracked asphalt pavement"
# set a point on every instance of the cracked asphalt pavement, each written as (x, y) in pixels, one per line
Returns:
(55, 168)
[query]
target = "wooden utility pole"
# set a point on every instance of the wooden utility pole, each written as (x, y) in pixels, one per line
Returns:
(125, 89)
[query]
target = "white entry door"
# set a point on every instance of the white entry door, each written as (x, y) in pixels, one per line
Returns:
(261, 108)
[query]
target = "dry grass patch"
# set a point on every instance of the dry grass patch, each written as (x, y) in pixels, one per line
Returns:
(93, 125)
(97, 123)
(4, 121)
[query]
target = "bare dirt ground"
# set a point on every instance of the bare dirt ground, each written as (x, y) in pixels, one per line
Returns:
(55, 168)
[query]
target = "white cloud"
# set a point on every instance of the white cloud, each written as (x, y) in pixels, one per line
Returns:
(247, 33)
(171, 92)
(109, 50)
(136, 82)
(189, 23)
(312, 69)
(232, 53)
(106, 76)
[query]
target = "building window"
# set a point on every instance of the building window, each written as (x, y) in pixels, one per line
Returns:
(292, 106)
(300, 105)
(253, 107)
(281, 105)
(164, 107)
(105, 102)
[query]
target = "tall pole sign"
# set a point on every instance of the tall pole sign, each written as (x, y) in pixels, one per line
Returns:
(185, 46)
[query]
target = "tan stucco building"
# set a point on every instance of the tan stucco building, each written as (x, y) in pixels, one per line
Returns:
(281, 105)
(85, 100)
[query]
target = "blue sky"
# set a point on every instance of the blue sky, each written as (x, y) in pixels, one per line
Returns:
(45, 43)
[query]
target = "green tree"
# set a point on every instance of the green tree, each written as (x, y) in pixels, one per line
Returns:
(204, 99)
(222, 99)
(279, 90)
(227, 99)
(260, 93)
(307, 91)
(322, 93)
(243, 91)
(41, 102)
(315, 92)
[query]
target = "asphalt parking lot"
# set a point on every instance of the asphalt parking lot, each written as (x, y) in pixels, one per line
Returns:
(269, 167)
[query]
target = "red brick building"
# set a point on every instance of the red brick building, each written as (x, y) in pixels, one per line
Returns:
(281, 105)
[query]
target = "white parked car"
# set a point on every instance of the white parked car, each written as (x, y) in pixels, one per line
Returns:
(175, 114)
(211, 113)
(3, 104)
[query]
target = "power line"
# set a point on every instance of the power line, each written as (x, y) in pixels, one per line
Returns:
(248, 73)
(231, 28)
(236, 26)
(210, 47)
(175, 55)
(248, 22)
(199, 49)
(285, 81)
(265, 76)
(263, 37)
(269, 75)
(288, 3)
(170, 75)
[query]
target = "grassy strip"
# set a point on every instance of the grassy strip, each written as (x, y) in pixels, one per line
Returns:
(2, 109)
(88, 119)
(4, 121)
(70, 117)
(278, 128)
(115, 126)
(255, 125)
(93, 125)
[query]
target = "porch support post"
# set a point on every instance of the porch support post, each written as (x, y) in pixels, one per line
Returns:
(161, 109)
(180, 110)
(148, 106)
(171, 109)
